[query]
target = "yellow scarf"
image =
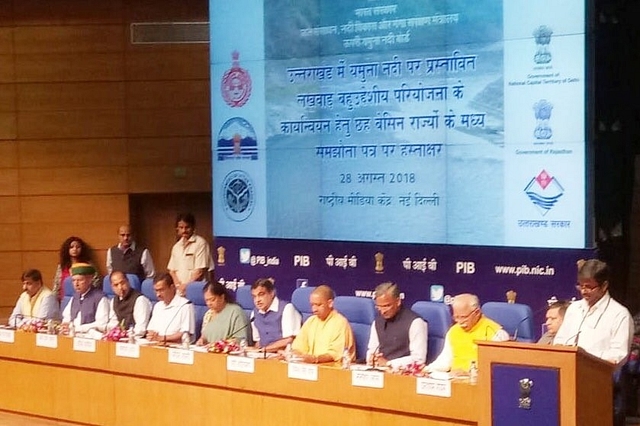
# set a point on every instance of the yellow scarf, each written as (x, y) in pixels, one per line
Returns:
(30, 306)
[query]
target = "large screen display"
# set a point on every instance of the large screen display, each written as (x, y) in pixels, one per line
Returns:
(416, 121)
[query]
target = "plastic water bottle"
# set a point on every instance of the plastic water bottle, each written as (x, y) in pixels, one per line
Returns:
(243, 346)
(287, 352)
(186, 340)
(346, 359)
(131, 337)
(72, 330)
(473, 373)
(51, 327)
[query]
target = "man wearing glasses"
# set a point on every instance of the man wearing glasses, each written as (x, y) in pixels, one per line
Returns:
(459, 345)
(597, 323)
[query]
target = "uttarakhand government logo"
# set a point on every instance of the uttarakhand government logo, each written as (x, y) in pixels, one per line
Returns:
(542, 35)
(236, 84)
(237, 141)
(238, 195)
(544, 191)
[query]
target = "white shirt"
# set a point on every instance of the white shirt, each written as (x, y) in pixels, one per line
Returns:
(49, 309)
(177, 316)
(605, 330)
(291, 320)
(100, 323)
(445, 359)
(145, 260)
(417, 344)
(141, 315)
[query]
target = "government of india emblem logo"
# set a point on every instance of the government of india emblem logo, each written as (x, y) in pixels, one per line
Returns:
(542, 35)
(542, 110)
(236, 84)
(238, 195)
(237, 141)
(544, 191)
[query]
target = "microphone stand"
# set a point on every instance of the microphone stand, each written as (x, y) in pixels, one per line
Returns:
(164, 343)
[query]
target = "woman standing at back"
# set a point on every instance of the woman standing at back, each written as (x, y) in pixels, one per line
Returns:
(73, 250)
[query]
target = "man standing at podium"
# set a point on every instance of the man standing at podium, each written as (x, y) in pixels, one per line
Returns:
(460, 348)
(599, 324)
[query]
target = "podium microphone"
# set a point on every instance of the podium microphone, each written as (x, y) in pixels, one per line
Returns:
(188, 302)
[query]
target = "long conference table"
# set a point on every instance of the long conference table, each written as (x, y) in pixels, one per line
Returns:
(104, 383)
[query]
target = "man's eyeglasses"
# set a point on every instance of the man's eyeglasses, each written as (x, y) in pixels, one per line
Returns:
(586, 288)
(463, 318)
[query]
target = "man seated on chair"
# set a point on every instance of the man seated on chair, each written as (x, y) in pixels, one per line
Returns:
(275, 322)
(128, 308)
(326, 334)
(459, 344)
(553, 321)
(35, 302)
(398, 336)
(89, 307)
(172, 315)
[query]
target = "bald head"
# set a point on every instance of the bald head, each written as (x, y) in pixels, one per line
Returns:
(125, 236)
(321, 301)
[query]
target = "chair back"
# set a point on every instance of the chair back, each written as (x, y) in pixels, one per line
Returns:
(67, 285)
(515, 318)
(147, 289)
(245, 300)
(360, 312)
(300, 300)
(195, 294)
(438, 318)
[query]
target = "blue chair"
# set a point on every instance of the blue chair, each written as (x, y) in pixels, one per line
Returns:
(147, 289)
(360, 312)
(244, 299)
(515, 318)
(438, 318)
(68, 293)
(300, 300)
(196, 296)
(134, 282)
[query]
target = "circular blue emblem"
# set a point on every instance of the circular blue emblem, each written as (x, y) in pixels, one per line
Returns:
(239, 195)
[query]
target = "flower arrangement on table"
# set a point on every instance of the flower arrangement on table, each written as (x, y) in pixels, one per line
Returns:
(413, 369)
(34, 325)
(116, 334)
(224, 346)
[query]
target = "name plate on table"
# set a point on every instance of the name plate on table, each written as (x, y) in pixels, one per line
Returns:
(127, 350)
(180, 356)
(241, 364)
(302, 371)
(433, 387)
(367, 379)
(82, 344)
(7, 336)
(47, 340)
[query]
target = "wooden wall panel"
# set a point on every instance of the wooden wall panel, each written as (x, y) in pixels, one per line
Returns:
(7, 69)
(10, 289)
(60, 153)
(75, 208)
(45, 261)
(159, 94)
(10, 210)
(8, 127)
(7, 97)
(8, 154)
(70, 96)
(65, 39)
(169, 122)
(178, 63)
(166, 10)
(43, 236)
(6, 13)
(71, 124)
(69, 67)
(9, 180)
(10, 265)
(10, 236)
(180, 150)
(6, 39)
(70, 180)
(37, 12)
(157, 179)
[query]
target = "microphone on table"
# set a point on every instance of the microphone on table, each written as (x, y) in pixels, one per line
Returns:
(230, 335)
(188, 302)
(374, 360)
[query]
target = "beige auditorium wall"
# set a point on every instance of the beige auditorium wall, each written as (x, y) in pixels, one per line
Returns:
(87, 118)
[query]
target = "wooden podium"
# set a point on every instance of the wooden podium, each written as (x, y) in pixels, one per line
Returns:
(528, 384)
